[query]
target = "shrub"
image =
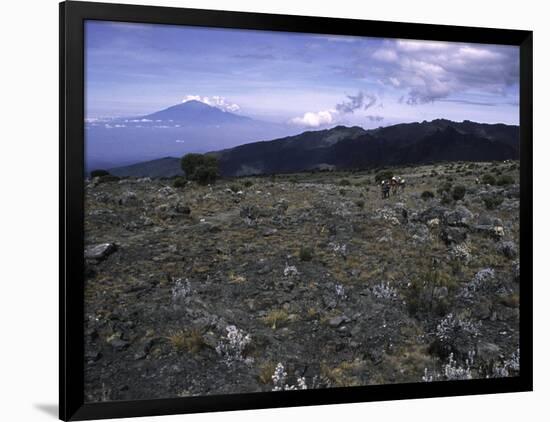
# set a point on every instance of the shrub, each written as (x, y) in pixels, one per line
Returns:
(445, 187)
(446, 198)
(505, 180)
(248, 183)
(201, 168)
(492, 202)
(427, 194)
(383, 175)
(360, 203)
(180, 182)
(235, 188)
(342, 192)
(458, 192)
(488, 179)
(345, 182)
(205, 175)
(306, 253)
(108, 178)
(99, 173)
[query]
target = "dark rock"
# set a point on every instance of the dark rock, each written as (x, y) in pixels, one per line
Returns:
(508, 249)
(93, 355)
(513, 192)
(338, 320)
(144, 349)
(182, 209)
(265, 269)
(119, 344)
(453, 235)
(433, 212)
(460, 217)
(269, 232)
(488, 220)
(128, 198)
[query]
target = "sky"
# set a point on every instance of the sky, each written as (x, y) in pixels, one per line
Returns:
(303, 80)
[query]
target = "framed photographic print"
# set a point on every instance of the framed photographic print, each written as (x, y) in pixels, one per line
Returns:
(266, 210)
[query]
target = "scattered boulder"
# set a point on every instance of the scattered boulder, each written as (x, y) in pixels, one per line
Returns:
(508, 249)
(117, 343)
(100, 251)
(435, 212)
(453, 235)
(337, 321)
(269, 232)
(128, 198)
(459, 217)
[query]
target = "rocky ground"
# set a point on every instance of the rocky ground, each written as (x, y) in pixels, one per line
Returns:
(300, 281)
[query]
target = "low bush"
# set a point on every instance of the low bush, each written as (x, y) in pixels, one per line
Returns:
(492, 202)
(488, 179)
(99, 173)
(505, 180)
(427, 194)
(445, 187)
(458, 192)
(306, 253)
(180, 182)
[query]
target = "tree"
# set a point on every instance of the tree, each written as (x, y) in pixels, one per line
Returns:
(383, 175)
(201, 168)
(99, 173)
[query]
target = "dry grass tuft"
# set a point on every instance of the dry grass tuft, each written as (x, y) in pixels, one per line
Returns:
(276, 317)
(190, 341)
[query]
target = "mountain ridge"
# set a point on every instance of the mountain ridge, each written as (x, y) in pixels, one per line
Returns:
(343, 147)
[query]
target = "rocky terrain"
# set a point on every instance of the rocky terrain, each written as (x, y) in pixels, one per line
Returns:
(307, 280)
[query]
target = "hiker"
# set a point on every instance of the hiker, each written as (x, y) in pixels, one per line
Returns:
(394, 183)
(385, 189)
(402, 185)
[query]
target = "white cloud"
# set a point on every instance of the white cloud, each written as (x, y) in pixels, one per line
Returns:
(428, 71)
(416, 45)
(315, 119)
(214, 101)
(385, 55)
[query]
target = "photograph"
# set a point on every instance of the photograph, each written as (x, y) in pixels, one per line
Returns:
(269, 211)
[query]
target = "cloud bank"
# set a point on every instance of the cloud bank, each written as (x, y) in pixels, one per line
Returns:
(431, 71)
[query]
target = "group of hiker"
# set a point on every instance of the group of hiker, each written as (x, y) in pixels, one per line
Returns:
(394, 185)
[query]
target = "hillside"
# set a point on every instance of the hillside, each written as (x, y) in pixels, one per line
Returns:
(312, 271)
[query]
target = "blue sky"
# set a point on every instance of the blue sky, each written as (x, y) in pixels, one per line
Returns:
(304, 80)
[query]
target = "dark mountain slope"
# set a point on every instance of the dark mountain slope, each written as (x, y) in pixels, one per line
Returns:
(406, 144)
(355, 148)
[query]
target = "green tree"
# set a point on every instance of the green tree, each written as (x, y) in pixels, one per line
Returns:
(201, 168)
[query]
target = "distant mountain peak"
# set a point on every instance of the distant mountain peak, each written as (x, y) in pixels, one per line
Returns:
(195, 112)
(195, 104)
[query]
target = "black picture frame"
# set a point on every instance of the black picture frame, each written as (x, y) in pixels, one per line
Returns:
(71, 265)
